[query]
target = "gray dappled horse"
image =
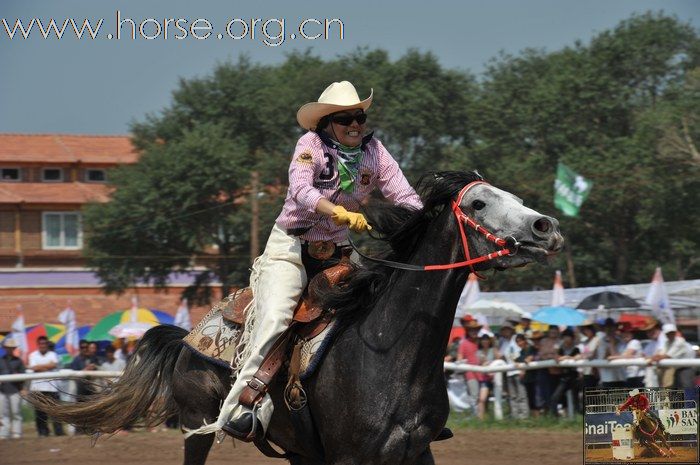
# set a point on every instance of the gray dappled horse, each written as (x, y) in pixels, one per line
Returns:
(379, 395)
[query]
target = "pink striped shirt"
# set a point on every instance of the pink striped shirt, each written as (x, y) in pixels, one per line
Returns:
(313, 175)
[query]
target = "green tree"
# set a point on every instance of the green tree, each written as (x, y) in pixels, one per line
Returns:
(588, 106)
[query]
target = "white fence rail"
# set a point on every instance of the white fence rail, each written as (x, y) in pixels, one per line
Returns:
(61, 374)
(498, 367)
(455, 367)
(631, 362)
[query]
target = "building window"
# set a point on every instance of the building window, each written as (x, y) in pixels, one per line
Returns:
(95, 175)
(62, 230)
(52, 175)
(10, 174)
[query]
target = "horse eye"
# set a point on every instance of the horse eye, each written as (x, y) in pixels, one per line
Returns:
(478, 205)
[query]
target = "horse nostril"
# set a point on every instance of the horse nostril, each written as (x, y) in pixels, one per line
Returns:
(543, 225)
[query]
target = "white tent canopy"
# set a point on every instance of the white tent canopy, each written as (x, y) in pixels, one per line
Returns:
(684, 297)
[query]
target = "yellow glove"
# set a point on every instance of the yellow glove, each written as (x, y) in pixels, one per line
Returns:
(355, 221)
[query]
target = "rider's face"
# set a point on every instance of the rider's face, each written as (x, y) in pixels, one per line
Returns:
(350, 135)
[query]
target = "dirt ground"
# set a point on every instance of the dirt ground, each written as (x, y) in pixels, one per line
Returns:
(683, 455)
(468, 447)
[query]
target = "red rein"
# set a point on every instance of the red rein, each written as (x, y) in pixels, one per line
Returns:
(463, 219)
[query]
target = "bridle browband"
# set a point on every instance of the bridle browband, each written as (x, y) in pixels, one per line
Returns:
(509, 245)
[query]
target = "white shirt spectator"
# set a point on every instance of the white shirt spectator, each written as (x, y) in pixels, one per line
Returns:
(117, 365)
(510, 351)
(588, 350)
(635, 347)
(654, 345)
(609, 375)
(37, 358)
(679, 348)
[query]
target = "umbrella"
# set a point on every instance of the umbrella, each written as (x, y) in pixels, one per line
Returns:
(608, 300)
(60, 348)
(130, 329)
(51, 331)
(636, 321)
(100, 332)
(559, 316)
(496, 308)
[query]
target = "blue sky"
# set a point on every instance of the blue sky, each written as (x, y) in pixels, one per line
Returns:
(99, 86)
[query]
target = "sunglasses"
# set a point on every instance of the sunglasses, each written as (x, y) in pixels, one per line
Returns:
(345, 119)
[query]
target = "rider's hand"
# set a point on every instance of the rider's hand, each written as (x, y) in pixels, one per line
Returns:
(617, 411)
(355, 221)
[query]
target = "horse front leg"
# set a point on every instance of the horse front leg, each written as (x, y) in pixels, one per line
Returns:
(655, 447)
(667, 445)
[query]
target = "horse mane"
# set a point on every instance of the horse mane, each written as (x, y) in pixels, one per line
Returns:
(400, 229)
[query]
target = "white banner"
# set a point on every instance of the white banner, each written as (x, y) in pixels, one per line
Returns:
(680, 420)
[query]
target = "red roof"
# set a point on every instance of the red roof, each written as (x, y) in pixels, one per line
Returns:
(66, 148)
(63, 192)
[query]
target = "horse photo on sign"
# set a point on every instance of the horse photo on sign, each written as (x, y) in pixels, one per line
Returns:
(649, 425)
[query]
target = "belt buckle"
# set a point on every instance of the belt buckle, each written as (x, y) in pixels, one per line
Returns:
(321, 250)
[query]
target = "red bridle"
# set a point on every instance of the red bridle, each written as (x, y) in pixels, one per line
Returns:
(463, 219)
(509, 247)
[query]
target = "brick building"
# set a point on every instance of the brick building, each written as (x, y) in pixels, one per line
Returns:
(45, 179)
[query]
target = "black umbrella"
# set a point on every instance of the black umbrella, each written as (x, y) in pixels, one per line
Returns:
(608, 300)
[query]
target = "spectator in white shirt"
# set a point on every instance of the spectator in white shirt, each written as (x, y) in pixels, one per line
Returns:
(610, 344)
(588, 350)
(632, 348)
(112, 363)
(677, 347)
(40, 361)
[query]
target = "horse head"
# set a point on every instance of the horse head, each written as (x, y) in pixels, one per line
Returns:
(527, 234)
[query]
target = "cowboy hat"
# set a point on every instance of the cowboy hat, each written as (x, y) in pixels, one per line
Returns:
(652, 324)
(9, 343)
(634, 392)
(472, 324)
(337, 97)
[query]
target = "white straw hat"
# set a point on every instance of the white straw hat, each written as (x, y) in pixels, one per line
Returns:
(337, 97)
(9, 343)
(634, 392)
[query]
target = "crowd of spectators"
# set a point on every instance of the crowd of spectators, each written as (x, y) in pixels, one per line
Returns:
(45, 359)
(544, 391)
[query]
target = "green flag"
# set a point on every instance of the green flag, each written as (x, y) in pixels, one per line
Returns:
(570, 190)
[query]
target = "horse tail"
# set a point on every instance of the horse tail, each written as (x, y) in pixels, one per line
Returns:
(142, 395)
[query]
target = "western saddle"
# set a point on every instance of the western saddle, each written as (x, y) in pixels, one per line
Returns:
(310, 318)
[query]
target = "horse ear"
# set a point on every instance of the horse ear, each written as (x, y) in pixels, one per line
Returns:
(478, 175)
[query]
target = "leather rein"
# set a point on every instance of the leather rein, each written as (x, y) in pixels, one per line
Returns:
(509, 246)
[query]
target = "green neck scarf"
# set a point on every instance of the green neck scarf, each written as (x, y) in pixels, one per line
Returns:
(349, 159)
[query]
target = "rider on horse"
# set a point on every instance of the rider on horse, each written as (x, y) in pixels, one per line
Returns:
(334, 168)
(638, 403)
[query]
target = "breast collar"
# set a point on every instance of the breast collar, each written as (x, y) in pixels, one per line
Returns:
(328, 142)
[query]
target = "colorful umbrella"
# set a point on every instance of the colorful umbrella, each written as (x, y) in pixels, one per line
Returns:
(559, 316)
(100, 332)
(54, 332)
(130, 329)
(51, 331)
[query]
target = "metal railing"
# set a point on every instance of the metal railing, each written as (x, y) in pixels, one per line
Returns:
(452, 366)
(631, 362)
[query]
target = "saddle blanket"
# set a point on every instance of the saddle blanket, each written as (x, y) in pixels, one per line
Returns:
(216, 339)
